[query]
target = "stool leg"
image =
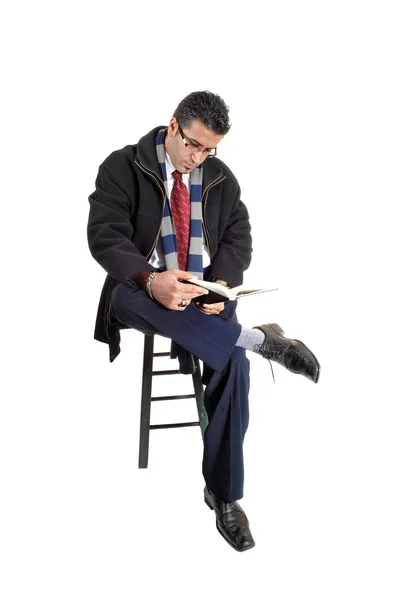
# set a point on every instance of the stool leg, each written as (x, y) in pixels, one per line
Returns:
(146, 401)
(199, 392)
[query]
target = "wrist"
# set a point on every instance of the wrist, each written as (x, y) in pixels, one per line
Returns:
(149, 282)
(144, 281)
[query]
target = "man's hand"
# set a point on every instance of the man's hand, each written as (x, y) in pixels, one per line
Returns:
(170, 292)
(211, 309)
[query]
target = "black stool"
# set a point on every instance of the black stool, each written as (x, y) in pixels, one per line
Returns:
(147, 399)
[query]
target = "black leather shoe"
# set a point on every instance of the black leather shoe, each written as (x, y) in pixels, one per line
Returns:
(231, 522)
(292, 354)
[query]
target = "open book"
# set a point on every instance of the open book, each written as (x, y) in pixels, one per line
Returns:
(220, 293)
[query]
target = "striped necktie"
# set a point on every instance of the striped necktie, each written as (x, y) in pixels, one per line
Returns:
(181, 212)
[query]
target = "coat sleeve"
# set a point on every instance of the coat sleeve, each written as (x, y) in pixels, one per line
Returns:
(110, 230)
(233, 255)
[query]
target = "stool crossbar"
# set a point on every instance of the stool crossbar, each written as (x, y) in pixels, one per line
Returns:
(147, 399)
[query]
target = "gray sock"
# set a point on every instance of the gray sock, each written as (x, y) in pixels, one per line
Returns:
(250, 339)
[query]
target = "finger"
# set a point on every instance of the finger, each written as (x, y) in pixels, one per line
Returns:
(194, 289)
(203, 309)
(209, 311)
(181, 274)
(188, 297)
(216, 306)
(178, 306)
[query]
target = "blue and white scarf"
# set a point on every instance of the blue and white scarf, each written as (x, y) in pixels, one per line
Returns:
(167, 231)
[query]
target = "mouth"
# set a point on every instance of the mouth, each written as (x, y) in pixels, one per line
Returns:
(188, 166)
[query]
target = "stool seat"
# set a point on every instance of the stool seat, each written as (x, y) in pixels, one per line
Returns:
(147, 398)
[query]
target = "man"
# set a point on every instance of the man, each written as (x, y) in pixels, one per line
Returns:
(165, 210)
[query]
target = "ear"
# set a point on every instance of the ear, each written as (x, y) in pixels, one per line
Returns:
(172, 127)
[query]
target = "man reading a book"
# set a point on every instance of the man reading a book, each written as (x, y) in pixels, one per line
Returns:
(165, 210)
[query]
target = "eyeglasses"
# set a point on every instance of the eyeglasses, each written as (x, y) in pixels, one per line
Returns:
(211, 152)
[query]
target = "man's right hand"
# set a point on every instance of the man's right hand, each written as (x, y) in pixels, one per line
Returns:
(170, 292)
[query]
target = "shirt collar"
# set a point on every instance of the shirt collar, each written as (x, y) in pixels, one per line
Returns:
(170, 168)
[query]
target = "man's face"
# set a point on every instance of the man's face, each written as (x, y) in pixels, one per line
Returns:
(199, 139)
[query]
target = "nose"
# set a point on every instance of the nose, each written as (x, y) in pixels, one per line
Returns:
(196, 156)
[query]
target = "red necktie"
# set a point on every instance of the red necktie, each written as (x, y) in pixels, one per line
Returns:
(181, 212)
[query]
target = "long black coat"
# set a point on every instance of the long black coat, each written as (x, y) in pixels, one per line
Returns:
(126, 210)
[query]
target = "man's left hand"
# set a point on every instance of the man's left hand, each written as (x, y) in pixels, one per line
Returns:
(211, 309)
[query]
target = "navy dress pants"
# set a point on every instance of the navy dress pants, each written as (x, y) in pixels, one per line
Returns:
(211, 338)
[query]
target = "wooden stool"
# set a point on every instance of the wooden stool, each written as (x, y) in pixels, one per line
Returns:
(147, 399)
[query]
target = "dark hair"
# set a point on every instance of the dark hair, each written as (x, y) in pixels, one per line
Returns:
(206, 107)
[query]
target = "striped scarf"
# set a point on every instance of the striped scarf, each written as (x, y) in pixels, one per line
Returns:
(167, 231)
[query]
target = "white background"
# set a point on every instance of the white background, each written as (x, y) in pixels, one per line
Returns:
(316, 97)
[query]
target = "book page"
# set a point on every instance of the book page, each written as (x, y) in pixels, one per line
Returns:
(222, 292)
(250, 292)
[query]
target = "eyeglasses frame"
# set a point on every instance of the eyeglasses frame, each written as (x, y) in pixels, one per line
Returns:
(211, 152)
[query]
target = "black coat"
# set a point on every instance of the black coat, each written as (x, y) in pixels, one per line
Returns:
(126, 210)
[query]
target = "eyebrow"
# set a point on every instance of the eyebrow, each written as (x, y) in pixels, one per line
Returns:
(196, 143)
